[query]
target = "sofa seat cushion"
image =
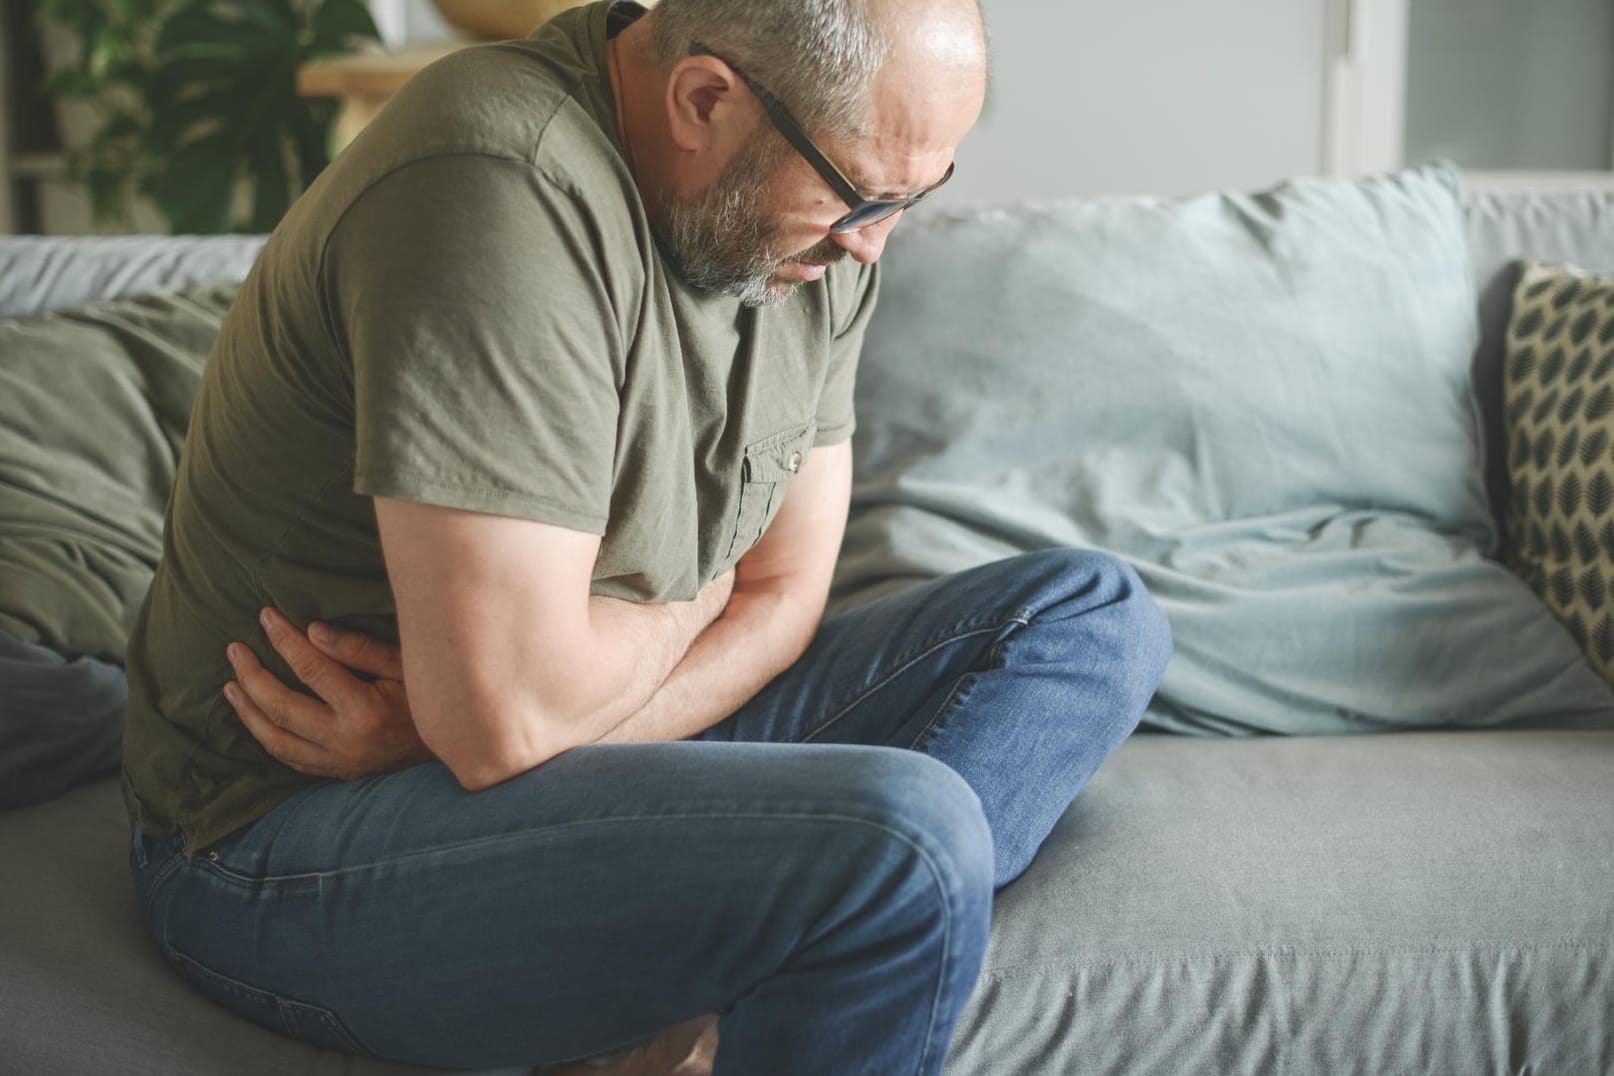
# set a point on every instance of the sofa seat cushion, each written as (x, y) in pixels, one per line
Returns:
(1435, 902)
(1424, 902)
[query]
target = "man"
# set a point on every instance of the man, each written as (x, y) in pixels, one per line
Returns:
(547, 380)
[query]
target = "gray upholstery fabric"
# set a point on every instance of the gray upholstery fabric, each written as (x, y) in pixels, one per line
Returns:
(1418, 903)
(1574, 227)
(1422, 903)
(39, 273)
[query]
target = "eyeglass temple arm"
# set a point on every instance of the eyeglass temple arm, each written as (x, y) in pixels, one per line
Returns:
(792, 131)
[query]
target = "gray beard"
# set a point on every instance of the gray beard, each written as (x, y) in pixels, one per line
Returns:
(723, 239)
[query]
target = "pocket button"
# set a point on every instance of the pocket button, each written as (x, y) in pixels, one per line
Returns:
(795, 462)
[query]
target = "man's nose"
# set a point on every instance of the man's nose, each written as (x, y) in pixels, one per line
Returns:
(866, 244)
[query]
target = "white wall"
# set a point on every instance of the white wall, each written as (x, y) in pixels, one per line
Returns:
(1163, 96)
(1121, 96)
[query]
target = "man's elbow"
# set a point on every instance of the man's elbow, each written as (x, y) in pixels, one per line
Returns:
(481, 754)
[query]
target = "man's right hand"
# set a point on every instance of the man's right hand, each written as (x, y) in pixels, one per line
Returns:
(353, 728)
(356, 728)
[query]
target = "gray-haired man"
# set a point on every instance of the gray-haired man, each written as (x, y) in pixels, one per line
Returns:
(541, 397)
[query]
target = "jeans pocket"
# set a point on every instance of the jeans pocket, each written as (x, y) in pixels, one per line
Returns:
(286, 1016)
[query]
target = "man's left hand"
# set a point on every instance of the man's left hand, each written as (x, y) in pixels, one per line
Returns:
(354, 728)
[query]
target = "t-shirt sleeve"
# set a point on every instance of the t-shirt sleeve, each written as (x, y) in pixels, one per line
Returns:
(851, 302)
(474, 300)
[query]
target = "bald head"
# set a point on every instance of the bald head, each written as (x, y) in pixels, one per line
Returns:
(822, 58)
(930, 87)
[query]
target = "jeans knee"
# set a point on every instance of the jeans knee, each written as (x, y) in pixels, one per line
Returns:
(927, 808)
(1149, 628)
(1086, 580)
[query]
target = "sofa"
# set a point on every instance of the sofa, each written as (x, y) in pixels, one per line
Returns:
(1366, 826)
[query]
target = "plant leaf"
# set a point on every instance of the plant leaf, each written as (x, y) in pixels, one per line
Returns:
(201, 27)
(174, 76)
(170, 126)
(196, 188)
(337, 23)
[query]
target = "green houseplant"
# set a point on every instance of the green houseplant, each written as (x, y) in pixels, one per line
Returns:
(199, 103)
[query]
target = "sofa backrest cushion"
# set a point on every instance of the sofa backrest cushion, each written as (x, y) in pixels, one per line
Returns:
(94, 404)
(1261, 401)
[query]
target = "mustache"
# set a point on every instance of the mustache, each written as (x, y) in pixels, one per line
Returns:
(827, 252)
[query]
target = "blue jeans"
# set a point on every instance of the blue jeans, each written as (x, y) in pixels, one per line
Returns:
(818, 867)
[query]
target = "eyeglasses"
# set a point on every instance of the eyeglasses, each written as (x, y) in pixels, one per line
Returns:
(863, 211)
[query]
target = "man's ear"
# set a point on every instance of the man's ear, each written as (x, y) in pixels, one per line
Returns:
(707, 106)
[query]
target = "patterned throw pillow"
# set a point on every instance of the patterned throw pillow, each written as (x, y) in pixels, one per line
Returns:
(1560, 426)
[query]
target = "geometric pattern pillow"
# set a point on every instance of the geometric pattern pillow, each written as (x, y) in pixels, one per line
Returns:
(1559, 408)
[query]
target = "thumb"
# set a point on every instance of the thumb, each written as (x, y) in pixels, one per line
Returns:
(357, 650)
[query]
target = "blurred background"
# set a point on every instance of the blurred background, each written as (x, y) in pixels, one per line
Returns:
(187, 116)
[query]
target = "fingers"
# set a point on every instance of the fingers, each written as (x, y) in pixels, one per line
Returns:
(359, 651)
(282, 744)
(325, 676)
(288, 710)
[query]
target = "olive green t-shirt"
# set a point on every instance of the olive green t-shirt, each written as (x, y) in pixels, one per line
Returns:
(467, 308)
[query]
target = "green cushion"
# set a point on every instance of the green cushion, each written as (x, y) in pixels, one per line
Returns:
(1260, 401)
(93, 408)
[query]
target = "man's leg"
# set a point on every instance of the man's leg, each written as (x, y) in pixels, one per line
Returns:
(834, 899)
(1021, 675)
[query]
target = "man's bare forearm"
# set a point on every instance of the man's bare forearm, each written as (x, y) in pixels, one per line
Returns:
(644, 644)
(758, 636)
(608, 672)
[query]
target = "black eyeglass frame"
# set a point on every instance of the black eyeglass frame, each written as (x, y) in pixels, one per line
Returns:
(862, 211)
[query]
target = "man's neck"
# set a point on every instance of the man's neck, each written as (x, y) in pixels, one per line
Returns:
(638, 88)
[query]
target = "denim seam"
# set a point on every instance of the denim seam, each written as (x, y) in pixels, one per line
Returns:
(227, 874)
(905, 663)
(164, 872)
(994, 659)
(283, 1005)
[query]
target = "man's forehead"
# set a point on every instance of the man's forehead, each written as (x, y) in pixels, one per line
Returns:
(895, 160)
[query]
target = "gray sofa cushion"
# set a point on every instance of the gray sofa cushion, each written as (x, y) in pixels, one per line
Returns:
(1262, 402)
(1422, 903)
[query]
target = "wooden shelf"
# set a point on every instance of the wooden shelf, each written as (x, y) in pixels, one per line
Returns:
(371, 75)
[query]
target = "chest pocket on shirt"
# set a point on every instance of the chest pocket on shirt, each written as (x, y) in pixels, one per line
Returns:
(769, 466)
